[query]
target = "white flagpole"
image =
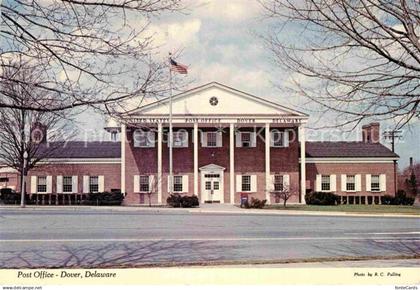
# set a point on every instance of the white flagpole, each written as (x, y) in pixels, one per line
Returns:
(171, 181)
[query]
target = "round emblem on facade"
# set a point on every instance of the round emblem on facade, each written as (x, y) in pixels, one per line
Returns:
(213, 101)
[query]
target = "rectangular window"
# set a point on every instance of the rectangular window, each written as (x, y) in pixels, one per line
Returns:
(211, 139)
(144, 183)
(93, 184)
(67, 184)
(178, 183)
(246, 183)
(42, 184)
(144, 139)
(180, 139)
(278, 138)
(374, 183)
(246, 139)
(278, 182)
(325, 183)
(351, 183)
(4, 179)
(208, 185)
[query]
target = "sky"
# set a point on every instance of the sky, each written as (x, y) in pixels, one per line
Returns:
(221, 41)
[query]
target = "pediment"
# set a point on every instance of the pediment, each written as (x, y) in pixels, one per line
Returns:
(212, 167)
(216, 99)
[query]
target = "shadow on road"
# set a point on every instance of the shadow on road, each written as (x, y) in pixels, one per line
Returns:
(103, 255)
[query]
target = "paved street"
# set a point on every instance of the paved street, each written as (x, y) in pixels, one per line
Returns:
(85, 237)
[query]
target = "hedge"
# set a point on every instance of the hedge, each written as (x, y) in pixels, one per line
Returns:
(176, 200)
(322, 198)
(104, 198)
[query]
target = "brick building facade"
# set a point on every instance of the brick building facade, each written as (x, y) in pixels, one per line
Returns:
(227, 144)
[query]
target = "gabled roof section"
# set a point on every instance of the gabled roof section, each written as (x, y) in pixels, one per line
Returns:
(81, 149)
(347, 150)
(230, 101)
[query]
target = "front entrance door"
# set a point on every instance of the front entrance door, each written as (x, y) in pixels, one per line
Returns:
(212, 184)
(212, 188)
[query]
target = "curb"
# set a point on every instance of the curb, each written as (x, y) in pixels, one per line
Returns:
(207, 211)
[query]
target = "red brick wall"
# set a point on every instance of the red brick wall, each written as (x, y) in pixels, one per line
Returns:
(13, 181)
(312, 169)
(247, 161)
(111, 173)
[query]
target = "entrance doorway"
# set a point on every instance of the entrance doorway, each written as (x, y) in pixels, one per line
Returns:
(212, 184)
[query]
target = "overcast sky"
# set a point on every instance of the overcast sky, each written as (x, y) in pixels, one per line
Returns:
(220, 42)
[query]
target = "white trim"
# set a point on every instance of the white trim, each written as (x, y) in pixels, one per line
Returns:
(81, 161)
(86, 183)
(34, 181)
(222, 87)
(350, 160)
(159, 166)
(301, 136)
(267, 162)
(195, 144)
(49, 184)
(123, 140)
(232, 162)
(101, 183)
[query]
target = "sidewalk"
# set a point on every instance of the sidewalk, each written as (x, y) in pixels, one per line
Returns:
(204, 209)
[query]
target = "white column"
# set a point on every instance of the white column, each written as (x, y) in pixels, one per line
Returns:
(302, 164)
(196, 159)
(159, 163)
(267, 162)
(232, 162)
(123, 143)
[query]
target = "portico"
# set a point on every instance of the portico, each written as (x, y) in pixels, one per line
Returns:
(211, 135)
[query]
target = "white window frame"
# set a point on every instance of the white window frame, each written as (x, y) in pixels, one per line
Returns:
(274, 140)
(144, 181)
(278, 181)
(144, 139)
(38, 183)
(349, 183)
(91, 184)
(325, 183)
(177, 181)
(64, 183)
(179, 142)
(208, 139)
(372, 189)
(246, 180)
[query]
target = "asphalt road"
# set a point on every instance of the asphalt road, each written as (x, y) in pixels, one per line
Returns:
(102, 238)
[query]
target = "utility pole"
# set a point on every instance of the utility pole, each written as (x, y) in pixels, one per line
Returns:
(392, 135)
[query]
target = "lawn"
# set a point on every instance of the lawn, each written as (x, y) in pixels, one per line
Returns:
(396, 209)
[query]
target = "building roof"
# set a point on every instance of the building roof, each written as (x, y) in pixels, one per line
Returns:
(109, 149)
(81, 149)
(347, 149)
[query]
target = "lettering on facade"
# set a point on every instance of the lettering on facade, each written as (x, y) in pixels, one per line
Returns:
(285, 120)
(151, 120)
(202, 120)
(245, 120)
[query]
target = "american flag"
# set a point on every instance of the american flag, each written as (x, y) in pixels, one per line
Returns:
(177, 67)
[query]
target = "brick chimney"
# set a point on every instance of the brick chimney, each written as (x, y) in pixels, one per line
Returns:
(370, 133)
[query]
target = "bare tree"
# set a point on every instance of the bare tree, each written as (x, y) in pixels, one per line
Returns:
(359, 59)
(91, 52)
(25, 130)
(284, 194)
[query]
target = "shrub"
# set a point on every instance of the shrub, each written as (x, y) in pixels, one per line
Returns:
(400, 198)
(322, 198)
(255, 203)
(189, 201)
(10, 196)
(176, 200)
(387, 199)
(104, 198)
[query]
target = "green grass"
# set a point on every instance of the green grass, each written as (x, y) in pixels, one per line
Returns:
(396, 209)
